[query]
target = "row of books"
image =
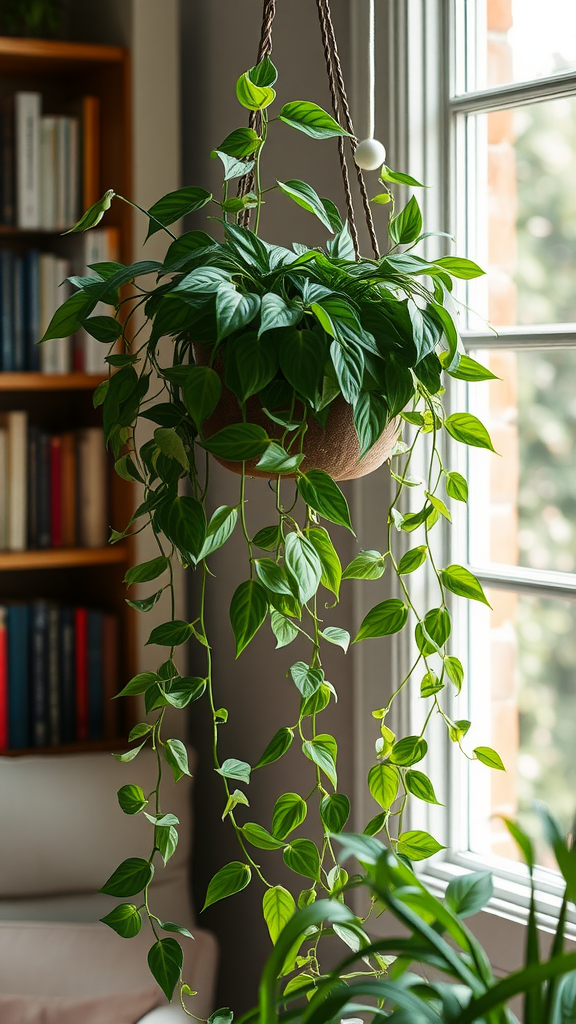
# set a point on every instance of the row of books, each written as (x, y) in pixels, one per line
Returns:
(58, 675)
(53, 487)
(50, 163)
(32, 287)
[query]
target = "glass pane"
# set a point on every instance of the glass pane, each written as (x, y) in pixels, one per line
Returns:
(519, 40)
(523, 501)
(521, 213)
(523, 657)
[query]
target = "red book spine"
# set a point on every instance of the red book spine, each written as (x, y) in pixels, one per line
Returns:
(3, 681)
(82, 723)
(56, 492)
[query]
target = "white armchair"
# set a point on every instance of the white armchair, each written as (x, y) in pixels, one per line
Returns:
(63, 834)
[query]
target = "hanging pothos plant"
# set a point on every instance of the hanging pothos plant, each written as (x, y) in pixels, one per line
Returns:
(269, 344)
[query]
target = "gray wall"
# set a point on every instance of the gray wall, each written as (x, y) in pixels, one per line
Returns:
(219, 42)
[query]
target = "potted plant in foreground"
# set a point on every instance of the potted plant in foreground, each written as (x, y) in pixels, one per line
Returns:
(282, 360)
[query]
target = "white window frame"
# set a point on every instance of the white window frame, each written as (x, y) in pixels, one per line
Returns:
(419, 114)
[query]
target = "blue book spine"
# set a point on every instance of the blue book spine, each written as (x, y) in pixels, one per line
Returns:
(19, 298)
(18, 676)
(7, 310)
(54, 710)
(39, 674)
(32, 308)
(67, 675)
(95, 676)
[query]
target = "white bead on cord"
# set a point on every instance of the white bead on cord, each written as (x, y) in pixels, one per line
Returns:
(370, 154)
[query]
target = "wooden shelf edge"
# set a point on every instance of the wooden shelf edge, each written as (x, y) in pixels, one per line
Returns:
(60, 50)
(49, 381)
(88, 747)
(63, 558)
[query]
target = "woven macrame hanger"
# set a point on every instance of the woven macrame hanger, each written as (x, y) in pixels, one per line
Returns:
(341, 109)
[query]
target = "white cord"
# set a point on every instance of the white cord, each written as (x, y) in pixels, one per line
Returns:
(371, 67)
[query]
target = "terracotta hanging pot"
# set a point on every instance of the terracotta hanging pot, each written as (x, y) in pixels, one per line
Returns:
(334, 449)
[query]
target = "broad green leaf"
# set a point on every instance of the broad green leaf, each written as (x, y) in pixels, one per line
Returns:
(321, 493)
(284, 631)
(238, 442)
(371, 415)
(104, 328)
(278, 312)
(307, 679)
(165, 963)
(430, 685)
(437, 628)
(277, 460)
(247, 612)
(274, 577)
(420, 786)
(468, 369)
(268, 538)
(93, 214)
(260, 837)
(235, 798)
(237, 203)
(337, 636)
(349, 364)
(302, 355)
(454, 671)
(304, 195)
(184, 524)
(99, 396)
(183, 690)
(201, 393)
(125, 920)
(278, 907)
(329, 560)
(129, 755)
(384, 619)
(463, 583)
(241, 142)
(490, 758)
(322, 751)
(368, 565)
(382, 199)
(412, 560)
(131, 877)
(468, 894)
(166, 839)
(468, 429)
(230, 879)
(169, 926)
(408, 751)
(301, 856)
(289, 812)
(69, 316)
(147, 571)
(177, 758)
(383, 782)
(219, 529)
(263, 73)
(376, 824)
(334, 811)
(399, 178)
(234, 769)
(304, 565)
(131, 799)
(171, 445)
(456, 487)
(233, 168)
(202, 281)
(407, 225)
(418, 845)
(175, 205)
(311, 119)
(439, 505)
(252, 96)
(171, 634)
(234, 310)
(458, 267)
(277, 747)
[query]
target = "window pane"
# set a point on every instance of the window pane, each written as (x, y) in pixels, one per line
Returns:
(520, 40)
(523, 500)
(523, 661)
(522, 168)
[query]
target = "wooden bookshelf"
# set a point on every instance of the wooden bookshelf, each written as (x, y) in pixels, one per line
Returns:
(117, 745)
(64, 72)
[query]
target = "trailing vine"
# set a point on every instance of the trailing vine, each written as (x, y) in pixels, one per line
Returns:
(287, 337)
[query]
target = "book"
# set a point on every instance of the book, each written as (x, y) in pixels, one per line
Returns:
(67, 675)
(32, 308)
(3, 488)
(16, 425)
(43, 509)
(7, 162)
(54, 704)
(110, 653)
(39, 673)
(18, 316)
(6, 311)
(19, 656)
(90, 120)
(48, 173)
(95, 687)
(33, 485)
(62, 147)
(27, 112)
(81, 658)
(92, 488)
(68, 493)
(55, 491)
(73, 172)
(3, 678)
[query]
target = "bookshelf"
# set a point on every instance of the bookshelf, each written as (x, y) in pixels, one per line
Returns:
(64, 73)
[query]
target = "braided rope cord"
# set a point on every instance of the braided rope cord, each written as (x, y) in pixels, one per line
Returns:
(246, 184)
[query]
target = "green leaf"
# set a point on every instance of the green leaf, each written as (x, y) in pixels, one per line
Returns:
(399, 178)
(430, 685)
(454, 671)
(311, 119)
(219, 529)
(234, 310)
(238, 442)
(302, 355)
(307, 679)
(303, 563)
(376, 824)
(93, 214)
(69, 316)
(131, 799)
(169, 926)
(235, 798)
(284, 631)
(468, 894)
(383, 782)
(230, 879)
(165, 963)
(329, 560)
(456, 487)
(252, 96)
(278, 907)
(201, 393)
(412, 560)
(458, 267)
(171, 634)
(337, 636)
(522, 841)
(277, 747)
(321, 493)
(408, 751)
(177, 758)
(233, 168)
(289, 812)
(420, 786)
(468, 429)
(99, 396)
(125, 920)
(302, 856)
(490, 758)
(334, 811)
(463, 583)
(263, 73)
(268, 538)
(139, 684)
(104, 328)
(175, 205)
(322, 751)
(171, 445)
(247, 612)
(368, 565)
(183, 690)
(147, 571)
(418, 845)
(349, 364)
(437, 628)
(382, 199)
(234, 769)
(407, 225)
(166, 839)
(276, 311)
(224, 1016)
(277, 460)
(260, 837)
(384, 619)
(131, 877)
(241, 142)
(304, 195)
(184, 524)
(371, 415)
(129, 755)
